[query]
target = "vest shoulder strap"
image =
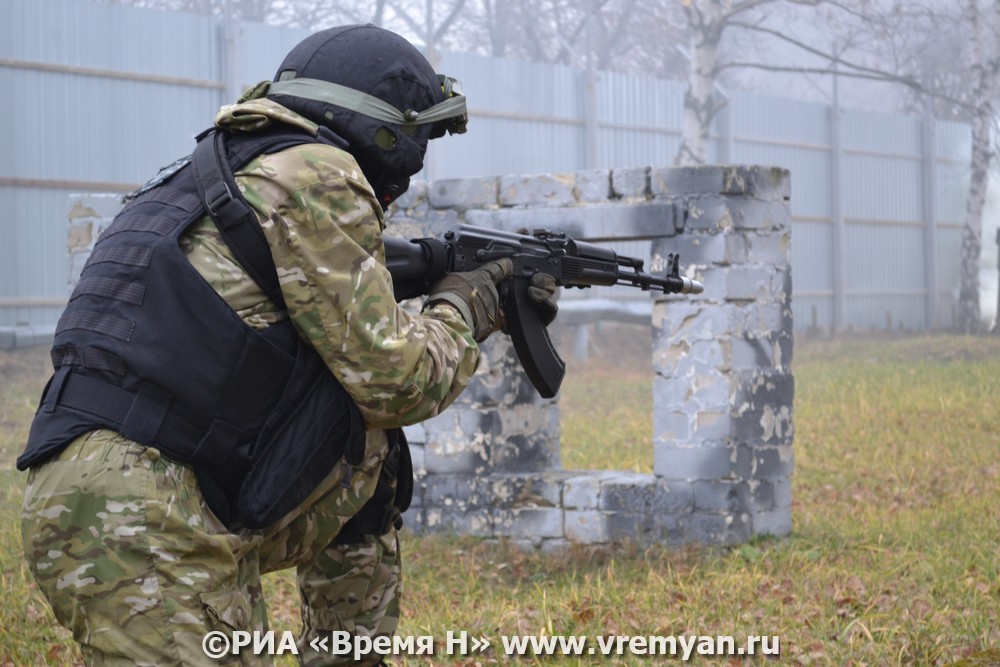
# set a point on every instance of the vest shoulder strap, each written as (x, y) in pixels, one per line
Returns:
(234, 217)
(236, 220)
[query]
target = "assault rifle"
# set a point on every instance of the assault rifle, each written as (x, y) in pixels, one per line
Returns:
(416, 265)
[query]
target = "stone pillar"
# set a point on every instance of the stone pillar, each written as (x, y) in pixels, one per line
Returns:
(722, 422)
(470, 459)
(89, 215)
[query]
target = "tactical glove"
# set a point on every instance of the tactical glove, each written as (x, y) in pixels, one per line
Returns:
(474, 294)
(542, 291)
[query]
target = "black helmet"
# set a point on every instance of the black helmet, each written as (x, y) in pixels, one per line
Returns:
(378, 92)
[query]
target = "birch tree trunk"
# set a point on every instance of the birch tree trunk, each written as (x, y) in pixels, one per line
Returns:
(706, 20)
(972, 228)
(987, 68)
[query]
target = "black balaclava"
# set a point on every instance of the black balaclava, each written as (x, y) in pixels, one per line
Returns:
(382, 64)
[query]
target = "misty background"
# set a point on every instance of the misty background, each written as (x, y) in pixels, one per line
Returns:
(918, 59)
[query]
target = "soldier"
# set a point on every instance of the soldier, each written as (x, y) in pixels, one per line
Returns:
(232, 371)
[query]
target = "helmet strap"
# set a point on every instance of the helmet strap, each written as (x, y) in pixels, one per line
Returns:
(371, 106)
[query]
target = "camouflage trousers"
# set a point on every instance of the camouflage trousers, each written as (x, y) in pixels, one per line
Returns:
(132, 561)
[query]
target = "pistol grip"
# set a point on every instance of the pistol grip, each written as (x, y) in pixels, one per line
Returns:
(542, 364)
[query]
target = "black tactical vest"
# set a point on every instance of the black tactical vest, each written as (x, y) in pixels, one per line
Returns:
(147, 348)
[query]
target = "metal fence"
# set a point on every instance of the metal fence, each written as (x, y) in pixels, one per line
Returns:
(99, 96)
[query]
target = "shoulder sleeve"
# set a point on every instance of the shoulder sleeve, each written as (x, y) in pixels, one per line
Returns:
(324, 226)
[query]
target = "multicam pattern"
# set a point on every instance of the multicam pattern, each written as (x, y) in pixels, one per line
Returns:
(122, 544)
(354, 588)
(119, 538)
(325, 229)
(256, 113)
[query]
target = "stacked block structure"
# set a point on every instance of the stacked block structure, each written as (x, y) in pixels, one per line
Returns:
(489, 465)
(723, 393)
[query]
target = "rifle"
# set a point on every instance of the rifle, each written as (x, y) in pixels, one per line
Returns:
(415, 265)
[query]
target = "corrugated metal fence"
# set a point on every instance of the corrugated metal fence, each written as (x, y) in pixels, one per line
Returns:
(99, 96)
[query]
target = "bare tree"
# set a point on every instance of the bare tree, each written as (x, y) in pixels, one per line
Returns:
(601, 33)
(499, 20)
(708, 21)
(709, 24)
(985, 46)
(922, 47)
(885, 42)
(429, 20)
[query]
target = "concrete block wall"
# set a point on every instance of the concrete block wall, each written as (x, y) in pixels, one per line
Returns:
(722, 452)
(724, 388)
(723, 394)
(89, 215)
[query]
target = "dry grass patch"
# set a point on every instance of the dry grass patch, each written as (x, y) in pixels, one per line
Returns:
(893, 558)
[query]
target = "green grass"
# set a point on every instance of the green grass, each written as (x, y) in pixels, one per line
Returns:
(624, 438)
(893, 558)
(606, 402)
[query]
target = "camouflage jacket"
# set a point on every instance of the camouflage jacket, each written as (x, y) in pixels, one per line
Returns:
(324, 225)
